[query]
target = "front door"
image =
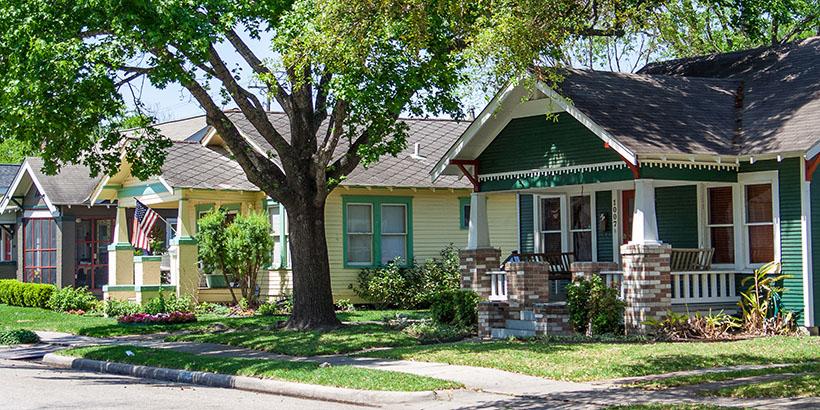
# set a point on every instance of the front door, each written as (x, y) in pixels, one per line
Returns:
(93, 237)
(627, 211)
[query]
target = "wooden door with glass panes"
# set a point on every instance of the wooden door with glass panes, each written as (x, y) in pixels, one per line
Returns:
(93, 237)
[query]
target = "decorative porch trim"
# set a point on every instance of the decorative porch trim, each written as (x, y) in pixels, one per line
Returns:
(184, 240)
(120, 246)
(689, 165)
(552, 171)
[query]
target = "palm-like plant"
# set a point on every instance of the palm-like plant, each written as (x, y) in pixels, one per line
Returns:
(758, 302)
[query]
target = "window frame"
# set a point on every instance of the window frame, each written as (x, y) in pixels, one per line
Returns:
(38, 251)
(591, 229)
(759, 178)
(376, 203)
(463, 219)
(382, 234)
(707, 231)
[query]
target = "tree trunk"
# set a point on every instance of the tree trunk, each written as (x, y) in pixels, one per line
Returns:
(312, 294)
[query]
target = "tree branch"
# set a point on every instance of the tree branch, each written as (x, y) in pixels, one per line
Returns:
(281, 95)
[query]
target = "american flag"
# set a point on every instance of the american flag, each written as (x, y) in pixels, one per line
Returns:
(144, 220)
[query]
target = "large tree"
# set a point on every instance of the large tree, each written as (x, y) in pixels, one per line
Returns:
(342, 71)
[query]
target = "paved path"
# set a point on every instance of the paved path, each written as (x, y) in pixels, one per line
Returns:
(490, 388)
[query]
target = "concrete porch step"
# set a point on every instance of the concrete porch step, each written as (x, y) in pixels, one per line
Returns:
(520, 324)
(527, 315)
(505, 333)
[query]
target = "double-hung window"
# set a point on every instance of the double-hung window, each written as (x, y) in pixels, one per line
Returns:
(759, 222)
(551, 235)
(721, 224)
(581, 227)
(377, 230)
(279, 235)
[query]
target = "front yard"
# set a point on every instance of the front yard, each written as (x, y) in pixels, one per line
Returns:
(599, 361)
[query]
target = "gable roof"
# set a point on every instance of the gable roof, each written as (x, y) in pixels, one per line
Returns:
(183, 129)
(71, 186)
(780, 96)
(7, 174)
(406, 169)
(192, 165)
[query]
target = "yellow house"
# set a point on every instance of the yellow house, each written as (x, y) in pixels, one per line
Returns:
(391, 209)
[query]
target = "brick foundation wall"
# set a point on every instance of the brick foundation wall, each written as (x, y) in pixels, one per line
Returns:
(527, 283)
(491, 315)
(552, 319)
(474, 264)
(647, 283)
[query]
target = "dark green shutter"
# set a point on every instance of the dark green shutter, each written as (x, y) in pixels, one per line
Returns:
(603, 206)
(676, 209)
(526, 224)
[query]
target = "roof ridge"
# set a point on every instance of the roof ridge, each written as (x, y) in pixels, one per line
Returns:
(669, 76)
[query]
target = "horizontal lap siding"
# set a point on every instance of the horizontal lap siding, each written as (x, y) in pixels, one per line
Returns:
(815, 238)
(676, 209)
(526, 223)
(436, 224)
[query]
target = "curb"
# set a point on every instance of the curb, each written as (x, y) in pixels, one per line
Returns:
(282, 388)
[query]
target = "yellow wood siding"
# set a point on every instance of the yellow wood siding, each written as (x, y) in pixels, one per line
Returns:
(435, 225)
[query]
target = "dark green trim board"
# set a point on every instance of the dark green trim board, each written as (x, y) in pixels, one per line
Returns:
(183, 240)
(791, 235)
(541, 141)
(676, 209)
(526, 223)
(687, 174)
(120, 246)
(376, 202)
(604, 237)
(462, 220)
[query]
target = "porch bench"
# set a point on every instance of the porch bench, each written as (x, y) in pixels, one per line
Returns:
(559, 263)
(691, 259)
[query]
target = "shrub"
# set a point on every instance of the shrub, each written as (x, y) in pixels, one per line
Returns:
(68, 299)
(212, 308)
(16, 293)
(345, 305)
(455, 307)
(679, 326)
(759, 303)
(160, 318)
(117, 308)
(409, 287)
(278, 307)
(18, 337)
(431, 332)
(594, 308)
(172, 303)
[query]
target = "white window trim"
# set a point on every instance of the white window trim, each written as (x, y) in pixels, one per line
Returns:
(382, 234)
(592, 225)
(754, 178)
(704, 227)
(566, 232)
(3, 249)
(346, 232)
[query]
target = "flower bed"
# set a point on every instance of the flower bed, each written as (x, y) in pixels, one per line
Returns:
(160, 318)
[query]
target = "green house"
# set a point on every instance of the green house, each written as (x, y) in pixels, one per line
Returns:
(714, 155)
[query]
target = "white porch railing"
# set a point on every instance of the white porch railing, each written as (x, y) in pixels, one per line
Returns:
(498, 285)
(614, 279)
(703, 287)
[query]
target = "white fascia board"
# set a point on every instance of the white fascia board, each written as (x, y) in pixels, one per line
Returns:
(165, 183)
(813, 151)
(208, 136)
(587, 122)
(25, 168)
(95, 194)
(471, 131)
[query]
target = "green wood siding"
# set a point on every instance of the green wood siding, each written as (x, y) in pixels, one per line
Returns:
(526, 223)
(687, 174)
(791, 237)
(539, 141)
(815, 235)
(603, 205)
(677, 212)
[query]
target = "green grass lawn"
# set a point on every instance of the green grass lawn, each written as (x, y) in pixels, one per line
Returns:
(12, 317)
(722, 376)
(803, 385)
(301, 372)
(599, 361)
(351, 338)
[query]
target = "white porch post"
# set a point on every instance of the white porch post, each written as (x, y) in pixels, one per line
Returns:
(479, 233)
(644, 221)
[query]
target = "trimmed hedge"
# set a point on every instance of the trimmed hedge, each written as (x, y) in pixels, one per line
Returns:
(16, 293)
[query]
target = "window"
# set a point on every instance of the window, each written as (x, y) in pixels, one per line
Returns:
(551, 225)
(394, 232)
(377, 230)
(581, 227)
(40, 250)
(360, 234)
(721, 224)
(279, 235)
(464, 209)
(759, 222)
(7, 251)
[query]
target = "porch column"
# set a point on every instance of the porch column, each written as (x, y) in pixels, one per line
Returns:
(183, 252)
(647, 284)
(478, 236)
(120, 253)
(644, 221)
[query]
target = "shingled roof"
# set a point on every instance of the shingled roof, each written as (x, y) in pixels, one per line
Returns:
(71, 186)
(780, 92)
(7, 174)
(192, 165)
(407, 169)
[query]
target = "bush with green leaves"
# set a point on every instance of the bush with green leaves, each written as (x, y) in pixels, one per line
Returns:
(344, 305)
(455, 308)
(760, 302)
(69, 298)
(15, 293)
(276, 307)
(18, 337)
(428, 331)
(168, 304)
(409, 287)
(594, 307)
(239, 249)
(208, 308)
(117, 308)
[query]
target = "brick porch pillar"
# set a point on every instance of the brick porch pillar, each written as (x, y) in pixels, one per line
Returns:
(647, 283)
(474, 265)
